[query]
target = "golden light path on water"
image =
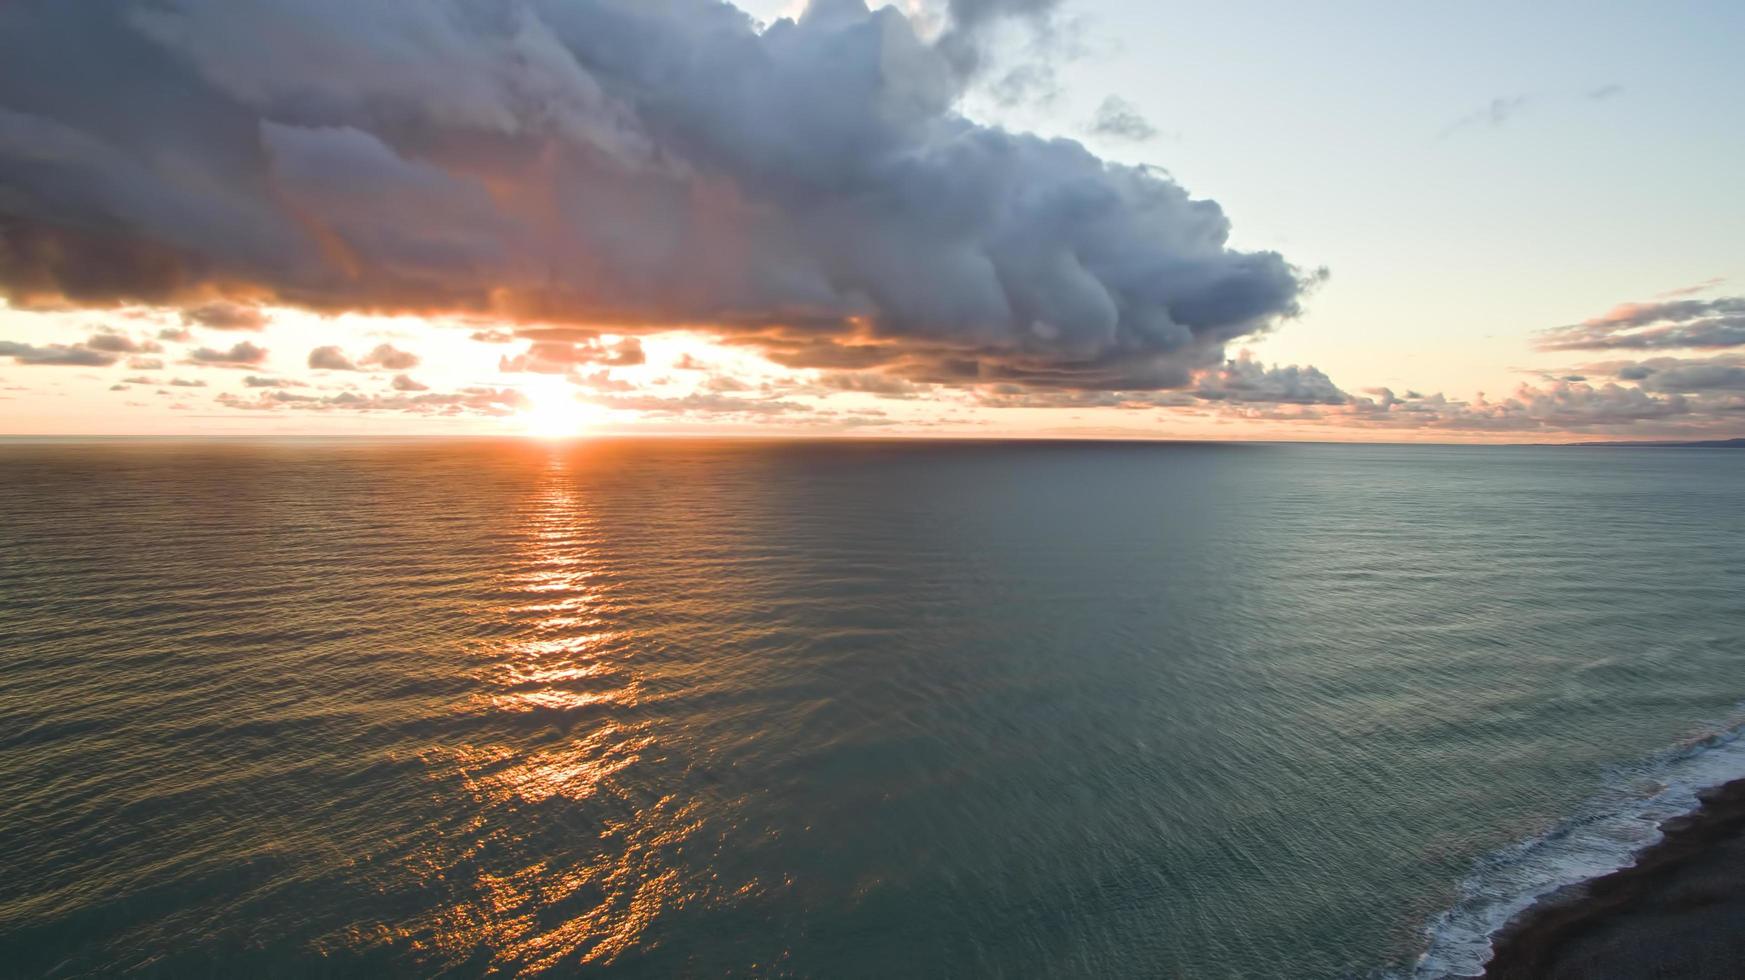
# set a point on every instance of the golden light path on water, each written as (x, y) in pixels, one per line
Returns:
(568, 663)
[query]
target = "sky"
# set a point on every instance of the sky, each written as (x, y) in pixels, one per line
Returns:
(1342, 221)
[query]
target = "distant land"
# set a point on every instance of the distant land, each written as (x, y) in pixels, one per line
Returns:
(1701, 444)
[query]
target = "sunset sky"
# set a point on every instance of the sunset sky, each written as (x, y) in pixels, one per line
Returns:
(1350, 221)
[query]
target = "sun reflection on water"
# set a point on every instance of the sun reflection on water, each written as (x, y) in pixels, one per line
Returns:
(598, 864)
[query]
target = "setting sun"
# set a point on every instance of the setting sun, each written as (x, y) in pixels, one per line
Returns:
(553, 411)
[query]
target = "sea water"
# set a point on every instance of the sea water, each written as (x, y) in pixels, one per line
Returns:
(856, 708)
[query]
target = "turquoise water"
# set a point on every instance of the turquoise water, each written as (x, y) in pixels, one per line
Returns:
(841, 709)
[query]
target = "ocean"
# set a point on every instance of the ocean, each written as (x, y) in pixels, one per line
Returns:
(842, 708)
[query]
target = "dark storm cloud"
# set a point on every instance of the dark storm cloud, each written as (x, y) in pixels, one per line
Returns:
(1673, 324)
(57, 355)
(809, 188)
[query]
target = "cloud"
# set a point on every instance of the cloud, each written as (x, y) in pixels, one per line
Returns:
(493, 402)
(493, 336)
(241, 355)
(1692, 289)
(330, 358)
(257, 381)
(404, 383)
(560, 356)
(390, 357)
(1603, 92)
(225, 316)
(1247, 380)
(700, 404)
(867, 382)
(1116, 118)
(1673, 375)
(1670, 324)
(1554, 407)
(1032, 84)
(114, 342)
(601, 380)
(56, 355)
(808, 188)
(1495, 113)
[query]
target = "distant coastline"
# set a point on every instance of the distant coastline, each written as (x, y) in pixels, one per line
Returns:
(1697, 444)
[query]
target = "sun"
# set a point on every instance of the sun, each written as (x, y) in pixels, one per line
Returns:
(552, 411)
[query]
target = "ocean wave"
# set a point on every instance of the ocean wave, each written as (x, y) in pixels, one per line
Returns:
(1604, 835)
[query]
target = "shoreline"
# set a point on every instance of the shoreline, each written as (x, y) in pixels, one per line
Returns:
(1678, 910)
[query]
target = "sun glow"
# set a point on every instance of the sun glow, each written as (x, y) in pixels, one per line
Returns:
(552, 411)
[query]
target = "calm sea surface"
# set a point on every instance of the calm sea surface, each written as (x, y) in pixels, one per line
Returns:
(841, 709)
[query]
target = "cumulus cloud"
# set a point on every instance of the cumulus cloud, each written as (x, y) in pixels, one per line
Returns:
(241, 355)
(809, 189)
(1671, 324)
(57, 355)
(119, 343)
(404, 383)
(1558, 406)
(1247, 380)
(330, 358)
(390, 357)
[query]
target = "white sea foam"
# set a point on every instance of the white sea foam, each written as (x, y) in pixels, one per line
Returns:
(1603, 836)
